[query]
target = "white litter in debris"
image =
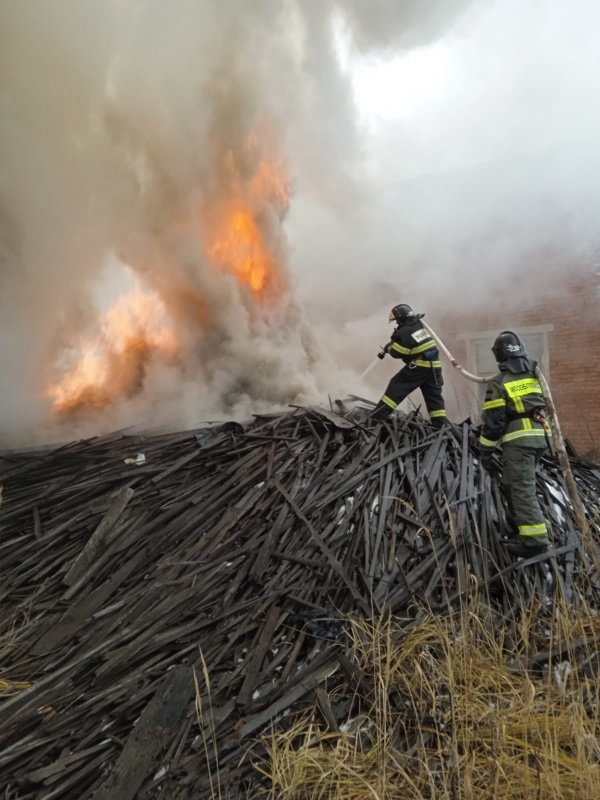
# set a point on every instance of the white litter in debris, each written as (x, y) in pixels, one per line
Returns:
(259, 485)
(375, 504)
(256, 695)
(356, 723)
(561, 674)
(139, 459)
(275, 650)
(561, 497)
(160, 774)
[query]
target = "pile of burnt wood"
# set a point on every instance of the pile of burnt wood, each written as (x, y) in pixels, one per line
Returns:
(140, 574)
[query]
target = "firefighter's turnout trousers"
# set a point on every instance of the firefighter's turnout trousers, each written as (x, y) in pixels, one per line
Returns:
(524, 513)
(426, 378)
(512, 417)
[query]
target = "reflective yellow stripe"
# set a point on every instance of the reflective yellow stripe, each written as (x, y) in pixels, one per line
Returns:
(439, 413)
(428, 345)
(486, 442)
(533, 530)
(388, 401)
(519, 404)
(398, 347)
(419, 362)
(510, 437)
(523, 387)
(499, 403)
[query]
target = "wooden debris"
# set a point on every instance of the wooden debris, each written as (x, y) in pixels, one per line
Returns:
(237, 556)
(159, 721)
(99, 539)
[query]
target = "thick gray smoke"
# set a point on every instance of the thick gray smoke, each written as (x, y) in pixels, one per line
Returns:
(128, 131)
(482, 160)
(481, 193)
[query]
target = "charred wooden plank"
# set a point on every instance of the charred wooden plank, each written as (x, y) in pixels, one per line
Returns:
(308, 684)
(99, 539)
(158, 723)
(258, 653)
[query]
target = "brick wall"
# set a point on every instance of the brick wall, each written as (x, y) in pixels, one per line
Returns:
(573, 308)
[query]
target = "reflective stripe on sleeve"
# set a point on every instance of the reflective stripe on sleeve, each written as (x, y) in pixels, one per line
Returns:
(499, 403)
(405, 351)
(486, 442)
(413, 351)
(441, 412)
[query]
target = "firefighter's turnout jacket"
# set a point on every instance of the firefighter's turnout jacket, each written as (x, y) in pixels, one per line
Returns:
(512, 411)
(413, 344)
(512, 416)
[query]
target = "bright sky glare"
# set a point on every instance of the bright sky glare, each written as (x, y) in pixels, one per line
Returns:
(401, 86)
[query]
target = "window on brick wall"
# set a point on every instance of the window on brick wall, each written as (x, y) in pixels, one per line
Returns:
(481, 361)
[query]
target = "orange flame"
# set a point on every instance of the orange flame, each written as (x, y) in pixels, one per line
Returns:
(239, 247)
(238, 227)
(114, 364)
(241, 238)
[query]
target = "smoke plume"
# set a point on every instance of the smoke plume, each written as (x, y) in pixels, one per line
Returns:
(148, 157)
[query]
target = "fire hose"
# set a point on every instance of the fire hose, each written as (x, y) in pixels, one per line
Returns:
(558, 440)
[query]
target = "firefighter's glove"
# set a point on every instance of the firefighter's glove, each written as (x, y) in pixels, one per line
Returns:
(487, 463)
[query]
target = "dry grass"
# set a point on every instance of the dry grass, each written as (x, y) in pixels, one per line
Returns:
(13, 625)
(451, 717)
(206, 723)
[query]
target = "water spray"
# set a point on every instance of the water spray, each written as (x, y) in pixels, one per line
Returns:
(381, 354)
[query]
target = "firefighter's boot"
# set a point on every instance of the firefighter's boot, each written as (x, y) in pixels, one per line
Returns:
(528, 546)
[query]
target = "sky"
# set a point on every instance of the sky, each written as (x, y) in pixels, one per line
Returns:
(432, 151)
(500, 110)
(508, 78)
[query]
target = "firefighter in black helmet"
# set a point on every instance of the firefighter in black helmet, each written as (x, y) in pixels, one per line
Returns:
(423, 370)
(513, 415)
